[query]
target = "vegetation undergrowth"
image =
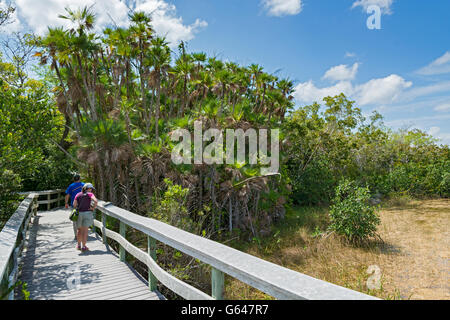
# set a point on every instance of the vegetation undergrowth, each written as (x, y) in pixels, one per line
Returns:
(302, 243)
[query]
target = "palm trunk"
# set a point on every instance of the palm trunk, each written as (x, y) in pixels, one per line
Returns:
(230, 215)
(111, 189)
(158, 103)
(138, 196)
(102, 179)
(90, 94)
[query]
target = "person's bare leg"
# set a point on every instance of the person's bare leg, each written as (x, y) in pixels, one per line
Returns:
(84, 235)
(79, 236)
(75, 230)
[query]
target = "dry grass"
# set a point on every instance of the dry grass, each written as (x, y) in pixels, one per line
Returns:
(413, 257)
(421, 233)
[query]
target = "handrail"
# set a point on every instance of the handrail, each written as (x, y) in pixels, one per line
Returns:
(183, 289)
(275, 280)
(48, 193)
(12, 240)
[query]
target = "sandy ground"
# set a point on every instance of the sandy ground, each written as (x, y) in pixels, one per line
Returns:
(417, 256)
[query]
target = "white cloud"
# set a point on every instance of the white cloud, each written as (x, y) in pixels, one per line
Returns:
(385, 5)
(12, 25)
(434, 131)
(350, 54)
(342, 73)
(37, 15)
(376, 91)
(308, 92)
(166, 22)
(443, 107)
(442, 136)
(419, 122)
(422, 105)
(381, 91)
(439, 66)
(279, 8)
(414, 93)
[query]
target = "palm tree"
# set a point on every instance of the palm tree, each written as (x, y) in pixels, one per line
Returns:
(83, 19)
(160, 60)
(113, 88)
(82, 45)
(203, 84)
(182, 71)
(199, 58)
(223, 78)
(142, 31)
(287, 88)
(255, 71)
(264, 80)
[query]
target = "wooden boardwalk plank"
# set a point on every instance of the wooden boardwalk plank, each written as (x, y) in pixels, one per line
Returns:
(53, 269)
(85, 294)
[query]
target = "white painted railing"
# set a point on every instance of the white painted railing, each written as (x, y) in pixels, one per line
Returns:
(48, 194)
(12, 241)
(14, 233)
(275, 280)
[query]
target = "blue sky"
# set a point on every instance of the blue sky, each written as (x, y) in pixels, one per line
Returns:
(326, 34)
(402, 70)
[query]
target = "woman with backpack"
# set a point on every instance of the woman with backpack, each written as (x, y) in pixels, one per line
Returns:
(86, 202)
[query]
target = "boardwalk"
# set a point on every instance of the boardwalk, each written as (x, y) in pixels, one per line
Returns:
(52, 265)
(54, 269)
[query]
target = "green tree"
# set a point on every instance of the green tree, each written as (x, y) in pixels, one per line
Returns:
(30, 125)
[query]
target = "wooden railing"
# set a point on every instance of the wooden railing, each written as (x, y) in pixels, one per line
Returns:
(47, 195)
(13, 235)
(12, 241)
(277, 281)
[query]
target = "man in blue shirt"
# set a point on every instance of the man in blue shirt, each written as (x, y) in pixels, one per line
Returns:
(71, 192)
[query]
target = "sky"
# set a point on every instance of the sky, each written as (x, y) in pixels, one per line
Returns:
(397, 62)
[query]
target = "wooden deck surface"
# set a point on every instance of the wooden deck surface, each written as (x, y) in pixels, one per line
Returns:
(54, 270)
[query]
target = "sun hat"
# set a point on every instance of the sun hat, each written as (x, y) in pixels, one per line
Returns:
(88, 186)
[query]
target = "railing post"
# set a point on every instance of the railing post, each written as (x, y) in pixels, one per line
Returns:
(104, 228)
(48, 202)
(152, 281)
(217, 283)
(59, 198)
(122, 231)
(35, 205)
(94, 214)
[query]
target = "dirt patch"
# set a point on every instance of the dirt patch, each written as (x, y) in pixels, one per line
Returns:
(420, 231)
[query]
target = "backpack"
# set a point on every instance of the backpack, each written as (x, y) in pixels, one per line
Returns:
(84, 201)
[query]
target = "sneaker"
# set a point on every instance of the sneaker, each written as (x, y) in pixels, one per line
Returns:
(78, 247)
(85, 249)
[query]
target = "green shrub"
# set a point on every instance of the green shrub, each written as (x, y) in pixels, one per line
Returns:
(172, 209)
(350, 213)
(444, 186)
(9, 199)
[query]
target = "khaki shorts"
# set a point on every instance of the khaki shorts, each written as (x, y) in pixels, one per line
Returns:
(85, 219)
